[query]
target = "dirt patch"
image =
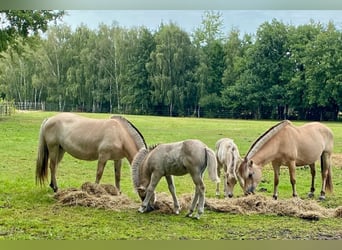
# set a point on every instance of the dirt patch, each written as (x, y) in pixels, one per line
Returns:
(106, 196)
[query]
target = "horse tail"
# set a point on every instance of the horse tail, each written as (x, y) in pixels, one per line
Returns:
(326, 163)
(212, 165)
(42, 158)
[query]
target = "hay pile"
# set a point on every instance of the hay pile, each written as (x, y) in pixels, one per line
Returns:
(107, 197)
(258, 204)
(103, 196)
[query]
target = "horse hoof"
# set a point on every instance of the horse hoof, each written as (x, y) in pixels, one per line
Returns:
(142, 209)
(189, 215)
(311, 195)
(322, 198)
(197, 217)
(275, 197)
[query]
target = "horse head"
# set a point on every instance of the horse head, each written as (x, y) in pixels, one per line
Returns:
(250, 176)
(140, 181)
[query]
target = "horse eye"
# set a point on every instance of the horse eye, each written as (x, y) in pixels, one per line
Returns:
(250, 175)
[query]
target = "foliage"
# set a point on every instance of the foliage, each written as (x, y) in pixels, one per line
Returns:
(23, 23)
(281, 72)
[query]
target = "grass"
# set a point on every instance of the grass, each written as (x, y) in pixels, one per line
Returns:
(28, 211)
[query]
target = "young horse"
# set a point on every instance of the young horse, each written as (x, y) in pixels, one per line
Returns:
(285, 144)
(179, 158)
(86, 139)
(228, 157)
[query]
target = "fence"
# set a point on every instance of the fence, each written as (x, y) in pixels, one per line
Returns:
(6, 108)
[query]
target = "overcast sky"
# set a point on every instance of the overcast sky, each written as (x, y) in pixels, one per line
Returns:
(247, 21)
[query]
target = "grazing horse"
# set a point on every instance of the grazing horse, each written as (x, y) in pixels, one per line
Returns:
(228, 157)
(286, 144)
(178, 158)
(86, 139)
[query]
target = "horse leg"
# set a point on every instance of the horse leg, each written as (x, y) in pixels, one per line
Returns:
(313, 174)
(172, 190)
(56, 155)
(117, 173)
(201, 199)
(199, 196)
(225, 184)
(219, 166)
(292, 170)
(276, 169)
(149, 194)
(193, 204)
(101, 163)
(326, 174)
(53, 167)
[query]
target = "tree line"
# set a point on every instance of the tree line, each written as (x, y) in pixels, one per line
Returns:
(280, 72)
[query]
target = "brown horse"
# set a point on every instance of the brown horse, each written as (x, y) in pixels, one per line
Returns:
(285, 144)
(178, 158)
(86, 139)
(228, 158)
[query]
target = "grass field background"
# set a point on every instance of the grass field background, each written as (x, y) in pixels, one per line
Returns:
(28, 211)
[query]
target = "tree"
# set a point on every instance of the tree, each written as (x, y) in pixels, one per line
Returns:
(208, 39)
(236, 58)
(323, 74)
(23, 23)
(170, 67)
(137, 94)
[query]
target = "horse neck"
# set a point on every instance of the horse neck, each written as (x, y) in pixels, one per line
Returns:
(264, 155)
(131, 150)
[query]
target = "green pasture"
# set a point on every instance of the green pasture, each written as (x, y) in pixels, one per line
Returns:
(28, 211)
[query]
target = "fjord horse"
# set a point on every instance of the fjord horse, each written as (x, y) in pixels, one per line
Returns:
(228, 158)
(86, 139)
(286, 144)
(178, 158)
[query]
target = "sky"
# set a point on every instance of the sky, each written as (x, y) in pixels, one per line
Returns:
(247, 21)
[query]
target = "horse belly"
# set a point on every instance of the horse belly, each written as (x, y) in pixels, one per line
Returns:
(173, 167)
(79, 152)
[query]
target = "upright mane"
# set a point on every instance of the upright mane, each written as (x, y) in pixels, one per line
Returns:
(133, 131)
(265, 137)
(136, 163)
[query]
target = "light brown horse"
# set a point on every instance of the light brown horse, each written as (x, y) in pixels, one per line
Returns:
(228, 158)
(286, 144)
(178, 158)
(86, 139)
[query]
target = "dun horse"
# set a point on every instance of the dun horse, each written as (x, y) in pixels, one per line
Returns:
(285, 144)
(228, 158)
(179, 158)
(86, 139)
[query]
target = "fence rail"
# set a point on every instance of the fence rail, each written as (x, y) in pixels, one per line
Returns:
(6, 108)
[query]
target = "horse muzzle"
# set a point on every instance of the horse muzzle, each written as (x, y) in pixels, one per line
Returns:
(250, 191)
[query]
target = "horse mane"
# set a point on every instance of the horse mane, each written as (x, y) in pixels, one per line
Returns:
(133, 131)
(265, 137)
(136, 163)
(150, 148)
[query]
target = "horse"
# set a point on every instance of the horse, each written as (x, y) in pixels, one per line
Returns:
(228, 158)
(86, 139)
(288, 145)
(173, 159)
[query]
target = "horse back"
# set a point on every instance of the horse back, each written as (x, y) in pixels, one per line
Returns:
(305, 144)
(82, 137)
